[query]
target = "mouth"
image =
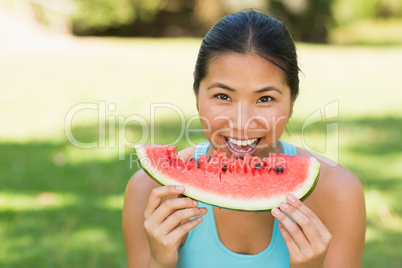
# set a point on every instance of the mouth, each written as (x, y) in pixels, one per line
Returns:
(241, 148)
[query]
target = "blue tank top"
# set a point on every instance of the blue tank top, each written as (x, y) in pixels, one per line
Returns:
(203, 249)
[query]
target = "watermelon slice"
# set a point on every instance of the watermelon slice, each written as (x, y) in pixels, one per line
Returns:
(249, 184)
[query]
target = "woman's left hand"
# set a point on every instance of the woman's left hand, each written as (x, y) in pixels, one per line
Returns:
(306, 236)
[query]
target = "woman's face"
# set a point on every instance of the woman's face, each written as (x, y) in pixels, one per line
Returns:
(244, 104)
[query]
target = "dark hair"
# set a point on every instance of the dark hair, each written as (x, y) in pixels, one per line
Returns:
(250, 32)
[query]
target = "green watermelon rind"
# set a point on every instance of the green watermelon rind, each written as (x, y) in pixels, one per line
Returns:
(228, 203)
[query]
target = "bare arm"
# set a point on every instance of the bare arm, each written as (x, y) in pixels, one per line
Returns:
(331, 223)
(346, 220)
(338, 201)
(135, 202)
(155, 221)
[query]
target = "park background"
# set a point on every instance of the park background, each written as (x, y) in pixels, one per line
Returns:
(95, 68)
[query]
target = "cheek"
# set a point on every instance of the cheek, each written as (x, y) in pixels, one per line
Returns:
(209, 119)
(277, 119)
(213, 122)
(206, 116)
(279, 125)
(207, 109)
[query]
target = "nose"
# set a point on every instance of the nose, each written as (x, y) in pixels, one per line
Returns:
(245, 117)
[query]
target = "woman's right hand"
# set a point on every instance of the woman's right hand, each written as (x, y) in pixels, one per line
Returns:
(166, 223)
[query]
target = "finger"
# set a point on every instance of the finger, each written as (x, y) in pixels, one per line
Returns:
(170, 206)
(178, 233)
(320, 227)
(155, 198)
(293, 248)
(294, 230)
(179, 216)
(303, 221)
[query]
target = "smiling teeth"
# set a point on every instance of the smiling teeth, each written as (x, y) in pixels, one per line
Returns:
(242, 143)
(251, 143)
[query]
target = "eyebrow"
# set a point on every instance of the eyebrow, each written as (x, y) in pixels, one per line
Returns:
(220, 85)
(265, 89)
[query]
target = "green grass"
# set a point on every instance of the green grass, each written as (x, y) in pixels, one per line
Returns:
(60, 206)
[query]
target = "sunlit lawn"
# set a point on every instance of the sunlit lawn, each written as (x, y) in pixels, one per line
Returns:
(60, 206)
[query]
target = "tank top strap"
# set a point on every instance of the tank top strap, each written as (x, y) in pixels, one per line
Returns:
(202, 148)
(288, 148)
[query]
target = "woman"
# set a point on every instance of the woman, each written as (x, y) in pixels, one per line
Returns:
(245, 83)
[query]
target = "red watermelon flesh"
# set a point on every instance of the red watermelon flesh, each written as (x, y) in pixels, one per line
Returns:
(251, 184)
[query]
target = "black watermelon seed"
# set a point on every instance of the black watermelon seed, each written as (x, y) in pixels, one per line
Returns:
(209, 158)
(277, 169)
(224, 168)
(198, 165)
(281, 169)
(257, 166)
(191, 159)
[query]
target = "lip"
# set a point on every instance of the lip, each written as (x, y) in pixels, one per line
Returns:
(241, 154)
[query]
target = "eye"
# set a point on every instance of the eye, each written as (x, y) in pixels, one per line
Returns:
(265, 99)
(223, 97)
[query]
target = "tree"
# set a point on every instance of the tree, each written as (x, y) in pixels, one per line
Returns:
(308, 20)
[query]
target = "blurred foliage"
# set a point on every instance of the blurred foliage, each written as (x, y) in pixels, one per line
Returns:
(142, 17)
(377, 32)
(308, 20)
(315, 21)
(368, 22)
(347, 12)
(99, 15)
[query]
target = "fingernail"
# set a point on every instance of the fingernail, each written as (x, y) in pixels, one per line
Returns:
(203, 210)
(284, 205)
(291, 198)
(195, 203)
(199, 218)
(275, 211)
(180, 188)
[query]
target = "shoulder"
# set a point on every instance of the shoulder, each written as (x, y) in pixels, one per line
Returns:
(338, 192)
(140, 184)
(136, 197)
(335, 181)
